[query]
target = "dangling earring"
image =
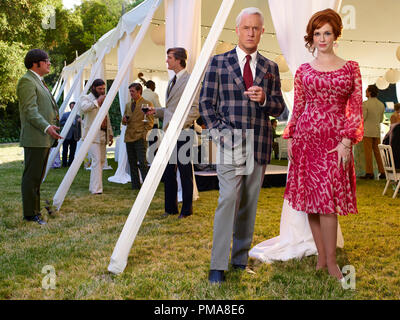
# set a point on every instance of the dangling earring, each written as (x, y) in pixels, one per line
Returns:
(335, 44)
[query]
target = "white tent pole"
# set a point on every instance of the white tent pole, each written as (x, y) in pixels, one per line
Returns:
(61, 90)
(124, 244)
(75, 110)
(77, 80)
(58, 82)
(95, 127)
(70, 92)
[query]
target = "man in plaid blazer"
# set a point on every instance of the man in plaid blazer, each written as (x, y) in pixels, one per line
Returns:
(241, 89)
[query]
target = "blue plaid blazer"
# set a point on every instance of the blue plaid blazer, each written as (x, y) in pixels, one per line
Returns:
(223, 104)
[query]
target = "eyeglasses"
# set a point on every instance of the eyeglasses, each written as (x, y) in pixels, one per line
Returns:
(46, 60)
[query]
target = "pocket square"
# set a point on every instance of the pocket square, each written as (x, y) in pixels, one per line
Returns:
(269, 76)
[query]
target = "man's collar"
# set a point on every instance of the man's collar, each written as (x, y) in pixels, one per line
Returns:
(180, 74)
(40, 78)
(242, 55)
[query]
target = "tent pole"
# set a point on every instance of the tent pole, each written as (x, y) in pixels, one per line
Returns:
(68, 123)
(95, 127)
(73, 113)
(120, 254)
(60, 90)
(57, 83)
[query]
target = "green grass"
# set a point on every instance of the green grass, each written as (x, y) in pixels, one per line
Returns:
(170, 257)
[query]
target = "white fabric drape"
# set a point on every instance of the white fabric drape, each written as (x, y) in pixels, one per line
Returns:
(121, 175)
(78, 88)
(185, 13)
(290, 18)
(182, 28)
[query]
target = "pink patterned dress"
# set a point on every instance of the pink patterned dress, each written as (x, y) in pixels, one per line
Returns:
(327, 107)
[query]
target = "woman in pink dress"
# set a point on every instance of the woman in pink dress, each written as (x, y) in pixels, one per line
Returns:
(326, 122)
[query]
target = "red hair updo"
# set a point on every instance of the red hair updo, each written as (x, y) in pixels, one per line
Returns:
(317, 20)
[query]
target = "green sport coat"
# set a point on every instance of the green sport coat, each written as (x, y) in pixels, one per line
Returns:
(37, 109)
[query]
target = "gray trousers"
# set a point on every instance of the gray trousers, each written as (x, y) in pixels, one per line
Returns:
(235, 215)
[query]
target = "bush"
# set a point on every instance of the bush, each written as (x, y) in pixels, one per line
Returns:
(10, 124)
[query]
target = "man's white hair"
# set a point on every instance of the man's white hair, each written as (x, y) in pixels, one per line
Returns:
(250, 10)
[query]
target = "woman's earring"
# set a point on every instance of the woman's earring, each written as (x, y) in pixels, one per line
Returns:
(335, 44)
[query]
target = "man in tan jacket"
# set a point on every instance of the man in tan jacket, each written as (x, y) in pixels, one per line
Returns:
(136, 132)
(90, 105)
(373, 111)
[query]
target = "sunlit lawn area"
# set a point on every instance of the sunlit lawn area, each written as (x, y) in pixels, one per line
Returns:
(170, 257)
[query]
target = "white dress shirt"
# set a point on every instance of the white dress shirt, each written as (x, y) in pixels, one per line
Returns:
(253, 64)
(242, 60)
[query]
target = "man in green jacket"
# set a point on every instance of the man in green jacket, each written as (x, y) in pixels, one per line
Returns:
(39, 125)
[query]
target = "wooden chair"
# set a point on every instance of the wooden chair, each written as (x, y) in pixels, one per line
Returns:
(388, 163)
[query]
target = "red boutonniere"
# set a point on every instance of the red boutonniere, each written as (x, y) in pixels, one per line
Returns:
(269, 76)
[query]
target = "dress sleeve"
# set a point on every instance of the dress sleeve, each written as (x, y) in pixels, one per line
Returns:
(298, 105)
(354, 125)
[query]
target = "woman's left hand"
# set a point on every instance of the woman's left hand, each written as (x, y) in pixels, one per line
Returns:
(343, 154)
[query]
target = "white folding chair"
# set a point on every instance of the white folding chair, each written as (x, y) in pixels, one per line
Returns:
(283, 149)
(390, 170)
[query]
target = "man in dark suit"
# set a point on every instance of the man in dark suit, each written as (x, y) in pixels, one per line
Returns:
(73, 136)
(241, 89)
(39, 125)
(176, 60)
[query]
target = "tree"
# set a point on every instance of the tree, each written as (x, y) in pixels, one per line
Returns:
(21, 29)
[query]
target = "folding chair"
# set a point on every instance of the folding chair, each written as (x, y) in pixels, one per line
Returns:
(390, 170)
(283, 148)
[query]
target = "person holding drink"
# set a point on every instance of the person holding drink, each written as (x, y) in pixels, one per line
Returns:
(137, 126)
(91, 105)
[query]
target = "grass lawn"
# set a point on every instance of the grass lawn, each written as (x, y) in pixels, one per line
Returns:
(170, 257)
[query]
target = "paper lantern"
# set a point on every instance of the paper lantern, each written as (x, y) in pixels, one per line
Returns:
(398, 53)
(224, 47)
(287, 85)
(158, 35)
(392, 76)
(381, 83)
(281, 62)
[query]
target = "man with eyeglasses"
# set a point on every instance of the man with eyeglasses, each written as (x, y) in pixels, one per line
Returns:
(39, 125)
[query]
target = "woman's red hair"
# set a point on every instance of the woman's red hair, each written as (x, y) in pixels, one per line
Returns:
(318, 20)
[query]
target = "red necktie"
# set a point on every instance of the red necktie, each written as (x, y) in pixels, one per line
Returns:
(247, 75)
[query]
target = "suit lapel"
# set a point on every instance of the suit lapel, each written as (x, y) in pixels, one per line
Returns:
(179, 82)
(33, 76)
(232, 64)
(261, 70)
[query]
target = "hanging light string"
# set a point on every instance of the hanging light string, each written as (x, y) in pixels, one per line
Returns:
(158, 22)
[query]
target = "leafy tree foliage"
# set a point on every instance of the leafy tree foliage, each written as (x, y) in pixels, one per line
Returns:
(22, 28)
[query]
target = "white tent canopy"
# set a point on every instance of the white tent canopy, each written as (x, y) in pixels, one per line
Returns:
(369, 37)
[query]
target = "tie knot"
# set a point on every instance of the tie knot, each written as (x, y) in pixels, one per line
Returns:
(248, 58)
